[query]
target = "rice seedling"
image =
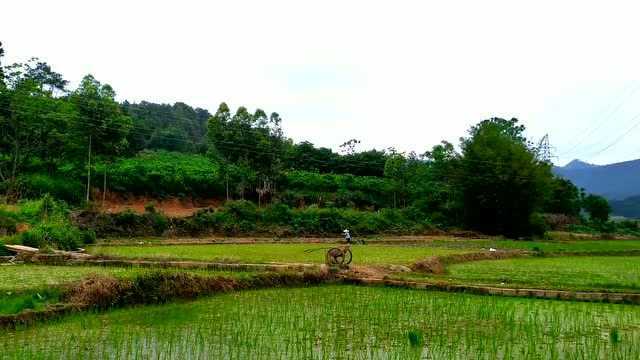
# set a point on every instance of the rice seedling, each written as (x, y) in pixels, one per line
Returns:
(595, 273)
(329, 322)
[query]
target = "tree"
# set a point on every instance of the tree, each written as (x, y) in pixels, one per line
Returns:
(434, 185)
(177, 127)
(102, 123)
(364, 163)
(1, 72)
(501, 180)
(564, 198)
(349, 146)
(597, 207)
(251, 141)
(305, 156)
(33, 122)
(396, 169)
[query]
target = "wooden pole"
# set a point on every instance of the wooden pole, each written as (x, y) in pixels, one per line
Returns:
(89, 171)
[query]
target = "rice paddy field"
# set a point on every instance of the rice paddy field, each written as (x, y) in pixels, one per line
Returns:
(267, 253)
(330, 322)
(577, 245)
(592, 273)
(338, 321)
(372, 253)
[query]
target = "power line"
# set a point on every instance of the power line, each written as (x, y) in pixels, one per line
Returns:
(238, 146)
(587, 133)
(619, 138)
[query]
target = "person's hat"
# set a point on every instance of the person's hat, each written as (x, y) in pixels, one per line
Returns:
(345, 230)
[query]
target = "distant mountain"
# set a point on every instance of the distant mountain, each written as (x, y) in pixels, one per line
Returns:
(629, 207)
(577, 164)
(614, 181)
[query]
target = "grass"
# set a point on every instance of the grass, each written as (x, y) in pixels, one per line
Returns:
(596, 273)
(266, 253)
(27, 278)
(11, 303)
(340, 322)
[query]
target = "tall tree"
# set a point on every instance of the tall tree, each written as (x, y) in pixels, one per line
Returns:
(396, 169)
(177, 127)
(502, 181)
(102, 124)
(1, 72)
(33, 122)
(255, 140)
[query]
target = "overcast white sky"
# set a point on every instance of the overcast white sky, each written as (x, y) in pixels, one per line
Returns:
(398, 73)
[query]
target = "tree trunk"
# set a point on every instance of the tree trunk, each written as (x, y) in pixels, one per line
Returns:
(16, 156)
(227, 182)
(104, 186)
(89, 171)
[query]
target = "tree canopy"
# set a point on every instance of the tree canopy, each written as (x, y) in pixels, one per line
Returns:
(54, 138)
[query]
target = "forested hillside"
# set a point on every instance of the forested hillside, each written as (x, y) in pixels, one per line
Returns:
(177, 127)
(76, 145)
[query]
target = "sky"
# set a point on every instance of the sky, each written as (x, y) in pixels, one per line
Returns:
(403, 74)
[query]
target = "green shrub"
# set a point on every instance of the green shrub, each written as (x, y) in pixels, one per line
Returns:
(241, 210)
(538, 225)
(126, 223)
(279, 214)
(628, 227)
(162, 173)
(44, 208)
(7, 225)
(343, 191)
(57, 235)
(88, 237)
(3, 250)
(60, 187)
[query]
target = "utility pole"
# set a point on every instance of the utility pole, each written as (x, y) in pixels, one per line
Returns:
(543, 151)
(89, 171)
(104, 186)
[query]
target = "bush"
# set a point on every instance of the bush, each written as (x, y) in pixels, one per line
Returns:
(3, 250)
(44, 208)
(8, 225)
(162, 173)
(538, 225)
(279, 214)
(630, 226)
(126, 223)
(344, 191)
(61, 236)
(60, 187)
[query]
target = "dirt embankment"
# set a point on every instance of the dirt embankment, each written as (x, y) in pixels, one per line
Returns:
(171, 206)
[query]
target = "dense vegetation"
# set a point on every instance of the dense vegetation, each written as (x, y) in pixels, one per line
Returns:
(78, 144)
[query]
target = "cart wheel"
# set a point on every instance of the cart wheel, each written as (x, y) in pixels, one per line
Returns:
(347, 257)
(335, 256)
